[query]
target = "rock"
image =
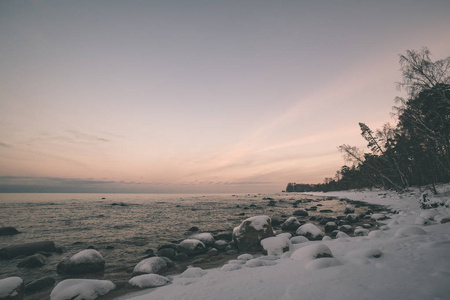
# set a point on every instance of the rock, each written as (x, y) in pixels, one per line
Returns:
(181, 257)
(310, 231)
(346, 228)
(81, 289)
(361, 232)
(193, 229)
(213, 252)
(352, 218)
(191, 247)
(291, 224)
(220, 244)
(311, 252)
(227, 236)
(149, 281)
(167, 252)
(26, 249)
(349, 209)
(40, 284)
(276, 223)
(83, 262)
(11, 288)
(326, 211)
(276, 245)
(298, 240)
(445, 220)
(206, 238)
(110, 247)
(330, 226)
(152, 265)
(169, 262)
(33, 261)
(249, 234)
(301, 213)
(150, 252)
(8, 231)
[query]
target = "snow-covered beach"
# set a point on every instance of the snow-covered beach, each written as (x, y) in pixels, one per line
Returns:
(409, 259)
(406, 257)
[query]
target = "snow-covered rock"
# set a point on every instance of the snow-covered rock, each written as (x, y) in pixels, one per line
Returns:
(193, 272)
(342, 235)
(361, 231)
(330, 226)
(291, 224)
(245, 257)
(365, 253)
(376, 234)
(231, 267)
(149, 281)
(408, 231)
(298, 239)
(312, 252)
(191, 247)
(83, 262)
(322, 263)
(258, 262)
(81, 289)
(206, 238)
(310, 231)
(285, 234)
(352, 218)
(349, 209)
(377, 217)
(34, 261)
(249, 234)
(11, 288)
(152, 265)
(276, 245)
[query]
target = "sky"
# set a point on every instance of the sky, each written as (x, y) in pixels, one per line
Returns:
(197, 96)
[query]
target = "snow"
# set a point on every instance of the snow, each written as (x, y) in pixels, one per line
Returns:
(81, 289)
(9, 286)
(87, 256)
(298, 239)
(149, 281)
(402, 261)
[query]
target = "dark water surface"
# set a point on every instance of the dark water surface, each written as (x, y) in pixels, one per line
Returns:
(131, 223)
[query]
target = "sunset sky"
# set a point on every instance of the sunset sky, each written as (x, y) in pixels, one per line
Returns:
(197, 96)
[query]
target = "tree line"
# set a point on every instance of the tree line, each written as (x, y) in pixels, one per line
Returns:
(414, 152)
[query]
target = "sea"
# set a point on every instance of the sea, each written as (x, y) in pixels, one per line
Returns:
(122, 227)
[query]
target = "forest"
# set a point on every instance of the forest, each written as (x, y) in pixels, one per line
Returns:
(414, 152)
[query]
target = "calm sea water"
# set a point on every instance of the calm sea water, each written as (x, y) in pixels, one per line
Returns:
(76, 221)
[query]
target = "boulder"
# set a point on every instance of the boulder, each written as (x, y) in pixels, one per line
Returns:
(27, 249)
(40, 284)
(181, 257)
(8, 231)
(206, 238)
(276, 245)
(167, 252)
(249, 234)
(148, 281)
(310, 231)
(330, 226)
(33, 261)
(81, 289)
(352, 218)
(220, 244)
(11, 288)
(301, 213)
(291, 224)
(84, 262)
(349, 209)
(152, 265)
(191, 247)
(312, 252)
